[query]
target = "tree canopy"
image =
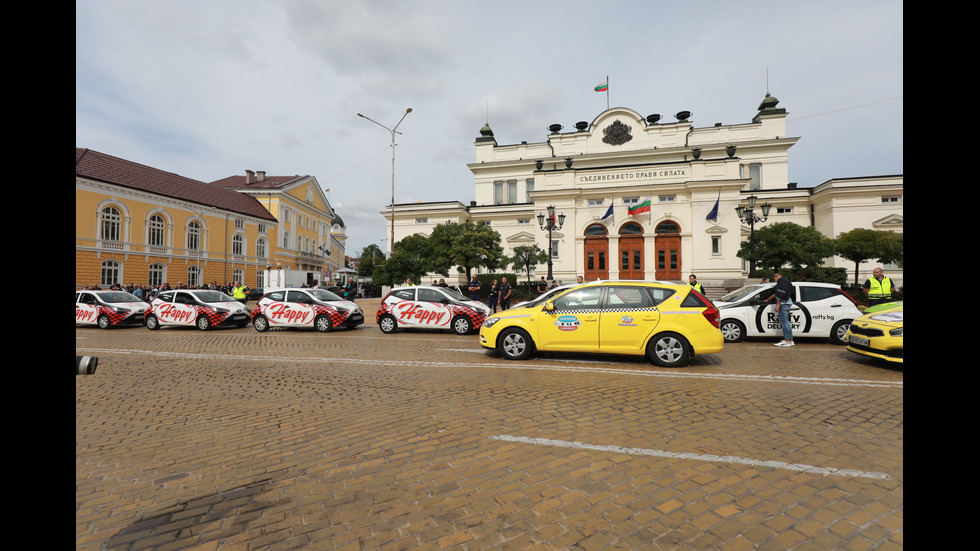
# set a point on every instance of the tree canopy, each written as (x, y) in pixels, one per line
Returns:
(526, 257)
(788, 244)
(466, 245)
(861, 244)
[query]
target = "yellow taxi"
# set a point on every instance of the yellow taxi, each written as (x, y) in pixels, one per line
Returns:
(666, 322)
(879, 335)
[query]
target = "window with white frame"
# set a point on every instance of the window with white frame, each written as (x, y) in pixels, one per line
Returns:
(193, 236)
(111, 222)
(522, 221)
(193, 276)
(529, 187)
(784, 210)
(239, 224)
(596, 202)
(111, 273)
(716, 245)
(554, 249)
(498, 193)
(238, 245)
(156, 235)
(157, 274)
(631, 200)
(666, 198)
(890, 199)
(260, 248)
(421, 220)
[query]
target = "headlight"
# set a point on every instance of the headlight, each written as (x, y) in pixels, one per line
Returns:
(900, 332)
(489, 322)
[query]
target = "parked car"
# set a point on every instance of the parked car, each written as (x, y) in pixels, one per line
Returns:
(304, 307)
(199, 308)
(425, 306)
(109, 308)
(818, 310)
(880, 335)
(255, 294)
(666, 322)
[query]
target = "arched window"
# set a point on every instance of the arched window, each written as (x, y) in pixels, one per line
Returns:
(631, 228)
(193, 236)
(596, 229)
(668, 227)
(156, 234)
(111, 227)
(111, 273)
(238, 245)
(260, 248)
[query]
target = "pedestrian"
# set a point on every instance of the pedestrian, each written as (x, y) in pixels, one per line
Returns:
(238, 292)
(505, 291)
(579, 280)
(783, 294)
(553, 284)
(442, 283)
(350, 290)
(493, 296)
(474, 288)
(878, 288)
(542, 286)
(692, 280)
(409, 282)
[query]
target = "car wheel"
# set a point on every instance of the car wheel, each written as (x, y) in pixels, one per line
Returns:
(152, 323)
(388, 324)
(104, 322)
(203, 323)
(261, 324)
(838, 333)
(462, 326)
(323, 324)
(515, 344)
(732, 330)
(668, 350)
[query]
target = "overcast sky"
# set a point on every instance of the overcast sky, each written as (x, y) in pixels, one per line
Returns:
(209, 89)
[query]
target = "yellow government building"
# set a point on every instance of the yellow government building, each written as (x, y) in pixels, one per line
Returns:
(136, 224)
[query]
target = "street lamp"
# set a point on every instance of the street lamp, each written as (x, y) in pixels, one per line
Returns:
(548, 224)
(393, 132)
(747, 216)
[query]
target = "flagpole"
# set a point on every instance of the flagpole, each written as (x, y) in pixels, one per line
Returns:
(607, 92)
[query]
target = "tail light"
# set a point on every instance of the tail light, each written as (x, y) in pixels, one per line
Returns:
(712, 315)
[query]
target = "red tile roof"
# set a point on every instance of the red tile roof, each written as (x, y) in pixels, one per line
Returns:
(113, 170)
(270, 182)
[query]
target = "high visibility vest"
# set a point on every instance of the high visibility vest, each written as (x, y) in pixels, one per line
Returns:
(697, 287)
(880, 289)
(238, 293)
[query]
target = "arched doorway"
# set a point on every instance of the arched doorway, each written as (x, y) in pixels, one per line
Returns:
(596, 253)
(668, 251)
(631, 251)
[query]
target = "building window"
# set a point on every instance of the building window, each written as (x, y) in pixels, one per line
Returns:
(529, 188)
(157, 274)
(784, 210)
(262, 228)
(554, 249)
(239, 224)
(285, 239)
(111, 222)
(498, 193)
(156, 232)
(193, 276)
(511, 192)
(260, 248)
(631, 200)
(716, 245)
(237, 245)
(754, 173)
(523, 220)
(890, 199)
(667, 198)
(193, 236)
(596, 202)
(111, 273)
(238, 275)
(421, 220)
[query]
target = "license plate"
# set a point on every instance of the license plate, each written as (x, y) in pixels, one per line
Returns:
(858, 341)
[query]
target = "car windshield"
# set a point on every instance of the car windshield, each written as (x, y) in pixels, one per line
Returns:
(323, 295)
(212, 296)
(547, 296)
(453, 294)
(119, 297)
(740, 294)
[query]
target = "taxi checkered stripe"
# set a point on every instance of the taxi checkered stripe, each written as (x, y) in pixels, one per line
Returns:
(605, 310)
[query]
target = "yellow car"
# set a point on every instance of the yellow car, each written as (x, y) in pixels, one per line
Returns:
(879, 335)
(667, 323)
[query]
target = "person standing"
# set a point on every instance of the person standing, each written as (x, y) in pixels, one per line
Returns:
(878, 288)
(474, 288)
(493, 296)
(505, 291)
(783, 294)
(692, 280)
(238, 292)
(542, 286)
(579, 279)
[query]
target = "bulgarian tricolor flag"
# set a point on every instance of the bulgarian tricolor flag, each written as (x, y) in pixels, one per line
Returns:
(640, 208)
(604, 87)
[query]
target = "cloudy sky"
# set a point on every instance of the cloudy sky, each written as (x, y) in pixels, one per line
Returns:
(210, 89)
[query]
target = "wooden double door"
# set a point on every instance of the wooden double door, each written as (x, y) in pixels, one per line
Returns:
(630, 258)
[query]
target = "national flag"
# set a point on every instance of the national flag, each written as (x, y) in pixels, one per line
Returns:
(640, 208)
(609, 212)
(604, 87)
(713, 215)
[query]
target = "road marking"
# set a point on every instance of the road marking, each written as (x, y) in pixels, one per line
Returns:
(528, 365)
(696, 457)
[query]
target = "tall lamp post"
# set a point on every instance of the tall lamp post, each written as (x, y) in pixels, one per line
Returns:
(548, 224)
(393, 132)
(747, 216)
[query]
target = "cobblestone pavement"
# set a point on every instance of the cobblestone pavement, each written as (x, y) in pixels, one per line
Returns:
(237, 440)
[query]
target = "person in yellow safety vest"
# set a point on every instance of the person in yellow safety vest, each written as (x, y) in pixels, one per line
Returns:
(878, 288)
(693, 282)
(238, 292)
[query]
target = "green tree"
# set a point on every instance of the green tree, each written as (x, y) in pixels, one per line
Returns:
(525, 258)
(861, 244)
(371, 256)
(788, 244)
(465, 245)
(409, 259)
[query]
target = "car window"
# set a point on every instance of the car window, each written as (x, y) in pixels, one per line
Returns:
(298, 297)
(183, 298)
(212, 296)
(324, 295)
(659, 294)
(430, 295)
(120, 296)
(456, 295)
(167, 296)
(810, 294)
(742, 293)
(85, 298)
(404, 294)
(627, 297)
(579, 299)
(277, 296)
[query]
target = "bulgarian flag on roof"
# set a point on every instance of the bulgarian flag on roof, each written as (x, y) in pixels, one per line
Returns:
(604, 87)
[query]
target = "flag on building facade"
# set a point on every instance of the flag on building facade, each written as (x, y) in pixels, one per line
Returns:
(609, 213)
(640, 208)
(713, 215)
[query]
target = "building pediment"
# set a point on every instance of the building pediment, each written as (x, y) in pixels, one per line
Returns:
(890, 222)
(521, 237)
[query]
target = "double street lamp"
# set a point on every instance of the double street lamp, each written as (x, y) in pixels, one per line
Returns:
(549, 224)
(393, 131)
(747, 216)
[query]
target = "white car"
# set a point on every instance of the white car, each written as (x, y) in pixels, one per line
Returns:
(109, 308)
(818, 310)
(430, 307)
(306, 308)
(199, 308)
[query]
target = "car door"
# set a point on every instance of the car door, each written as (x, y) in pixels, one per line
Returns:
(182, 311)
(820, 308)
(298, 310)
(629, 315)
(86, 308)
(572, 323)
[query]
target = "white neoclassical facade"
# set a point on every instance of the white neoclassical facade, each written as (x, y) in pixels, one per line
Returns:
(598, 174)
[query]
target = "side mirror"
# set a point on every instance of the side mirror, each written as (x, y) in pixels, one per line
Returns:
(549, 306)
